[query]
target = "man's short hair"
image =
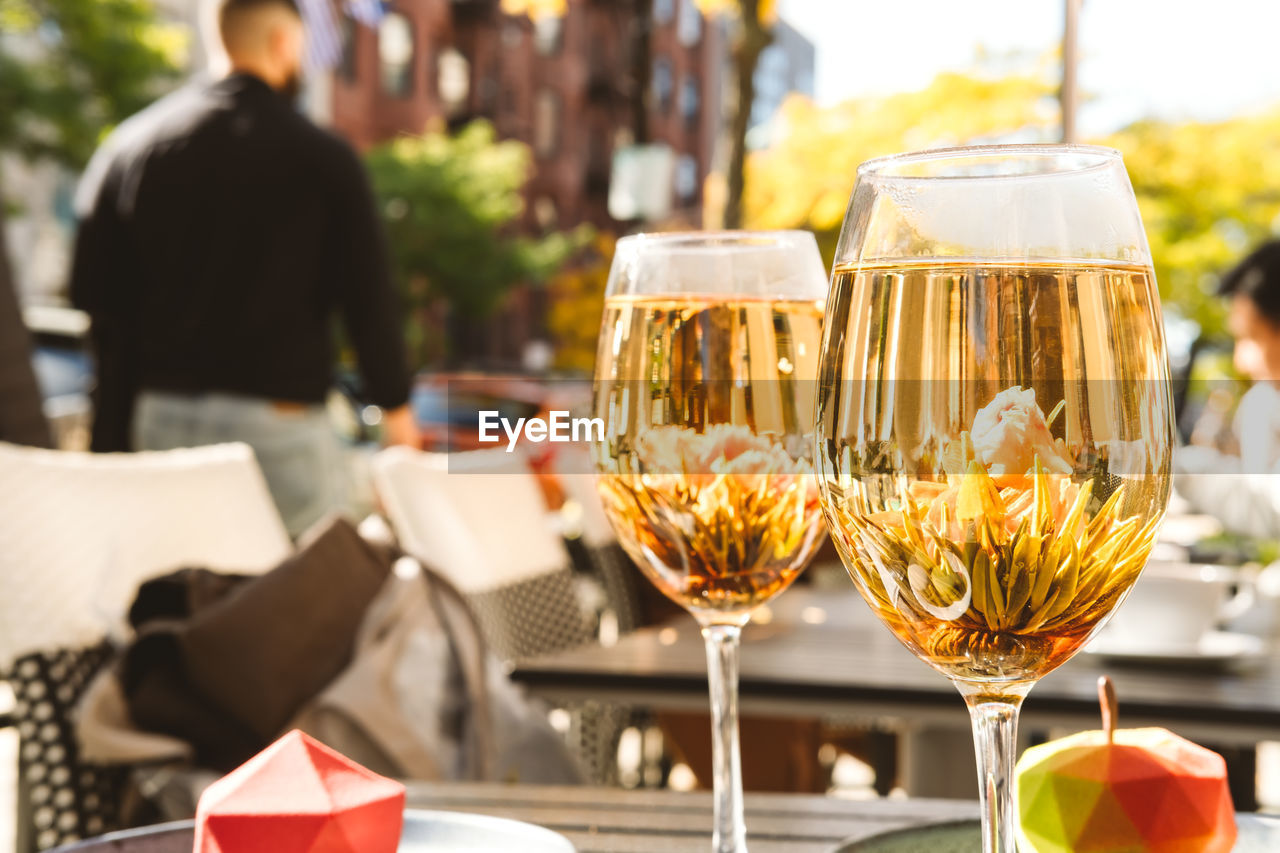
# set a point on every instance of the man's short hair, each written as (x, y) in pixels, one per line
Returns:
(1257, 277)
(233, 13)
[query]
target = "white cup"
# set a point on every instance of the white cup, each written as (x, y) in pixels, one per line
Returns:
(1174, 605)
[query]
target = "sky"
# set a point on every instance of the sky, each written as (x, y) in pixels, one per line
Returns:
(1174, 59)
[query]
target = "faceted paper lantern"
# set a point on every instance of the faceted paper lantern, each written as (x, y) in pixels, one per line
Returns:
(299, 796)
(1125, 790)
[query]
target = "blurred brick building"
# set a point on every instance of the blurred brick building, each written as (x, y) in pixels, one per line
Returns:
(567, 87)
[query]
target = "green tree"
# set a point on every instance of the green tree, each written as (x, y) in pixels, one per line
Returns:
(72, 69)
(450, 205)
(1208, 192)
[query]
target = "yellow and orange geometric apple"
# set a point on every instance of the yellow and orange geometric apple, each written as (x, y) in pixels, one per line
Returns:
(1126, 791)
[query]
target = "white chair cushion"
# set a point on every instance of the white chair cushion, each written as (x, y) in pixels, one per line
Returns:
(479, 518)
(79, 532)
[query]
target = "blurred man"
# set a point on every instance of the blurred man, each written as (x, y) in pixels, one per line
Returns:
(1249, 502)
(220, 233)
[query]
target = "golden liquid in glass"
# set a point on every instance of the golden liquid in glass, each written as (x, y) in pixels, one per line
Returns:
(993, 543)
(706, 467)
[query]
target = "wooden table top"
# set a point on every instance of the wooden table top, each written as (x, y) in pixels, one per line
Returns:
(825, 652)
(606, 820)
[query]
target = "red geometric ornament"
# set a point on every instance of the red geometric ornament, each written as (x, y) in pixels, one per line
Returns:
(299, 796)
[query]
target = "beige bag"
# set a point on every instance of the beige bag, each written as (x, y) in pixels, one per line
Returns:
(413, 703)
(424, 698)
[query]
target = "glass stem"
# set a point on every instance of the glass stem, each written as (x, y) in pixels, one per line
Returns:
(995, 740)
(722, 675)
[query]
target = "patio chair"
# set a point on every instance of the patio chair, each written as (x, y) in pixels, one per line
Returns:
(59, 797)
(78, 533)
(607, 560)
(480, 519)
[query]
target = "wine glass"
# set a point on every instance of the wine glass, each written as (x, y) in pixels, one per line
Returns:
(705, 383)
(994, 416)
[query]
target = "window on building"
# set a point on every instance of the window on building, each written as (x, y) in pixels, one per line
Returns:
(598, 153)
(689, 102)
(453, 80)
(772, 82)
(548, 33)
(773, 66)
(664, 11)
(663, 84)
(512, 34)
(347, 68)
(598, 58)
(395, 54)
(689, 28)
(686, 177)
(487, 91)
(546, 123)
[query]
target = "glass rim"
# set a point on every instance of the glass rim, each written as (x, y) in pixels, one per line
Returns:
(1099, 157)
(784, 238)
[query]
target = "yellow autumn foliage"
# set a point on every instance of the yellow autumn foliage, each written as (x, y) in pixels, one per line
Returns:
(535, 8)
(1208, 192)
(768, 9)
(804, 180)
(577, 306)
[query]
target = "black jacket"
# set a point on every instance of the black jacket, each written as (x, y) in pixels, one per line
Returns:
(220, 234)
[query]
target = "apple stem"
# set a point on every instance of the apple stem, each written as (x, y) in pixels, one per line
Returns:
(1110, 707)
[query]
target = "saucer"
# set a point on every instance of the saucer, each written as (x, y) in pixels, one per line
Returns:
(1216, 648)
(424, 832)
(1257, 834)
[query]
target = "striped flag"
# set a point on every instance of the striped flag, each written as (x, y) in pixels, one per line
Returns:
(324, 35)
(367, 12)
(324, 31)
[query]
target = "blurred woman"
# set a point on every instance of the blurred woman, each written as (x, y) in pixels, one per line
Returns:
(1243, 491)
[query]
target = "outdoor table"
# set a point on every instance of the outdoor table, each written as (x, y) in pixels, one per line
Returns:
(609, 820)
(824, 654)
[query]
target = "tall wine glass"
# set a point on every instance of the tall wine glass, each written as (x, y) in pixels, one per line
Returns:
(994, 422)
(705, 381)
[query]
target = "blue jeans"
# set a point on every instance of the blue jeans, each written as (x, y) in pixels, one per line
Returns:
(296, 446)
